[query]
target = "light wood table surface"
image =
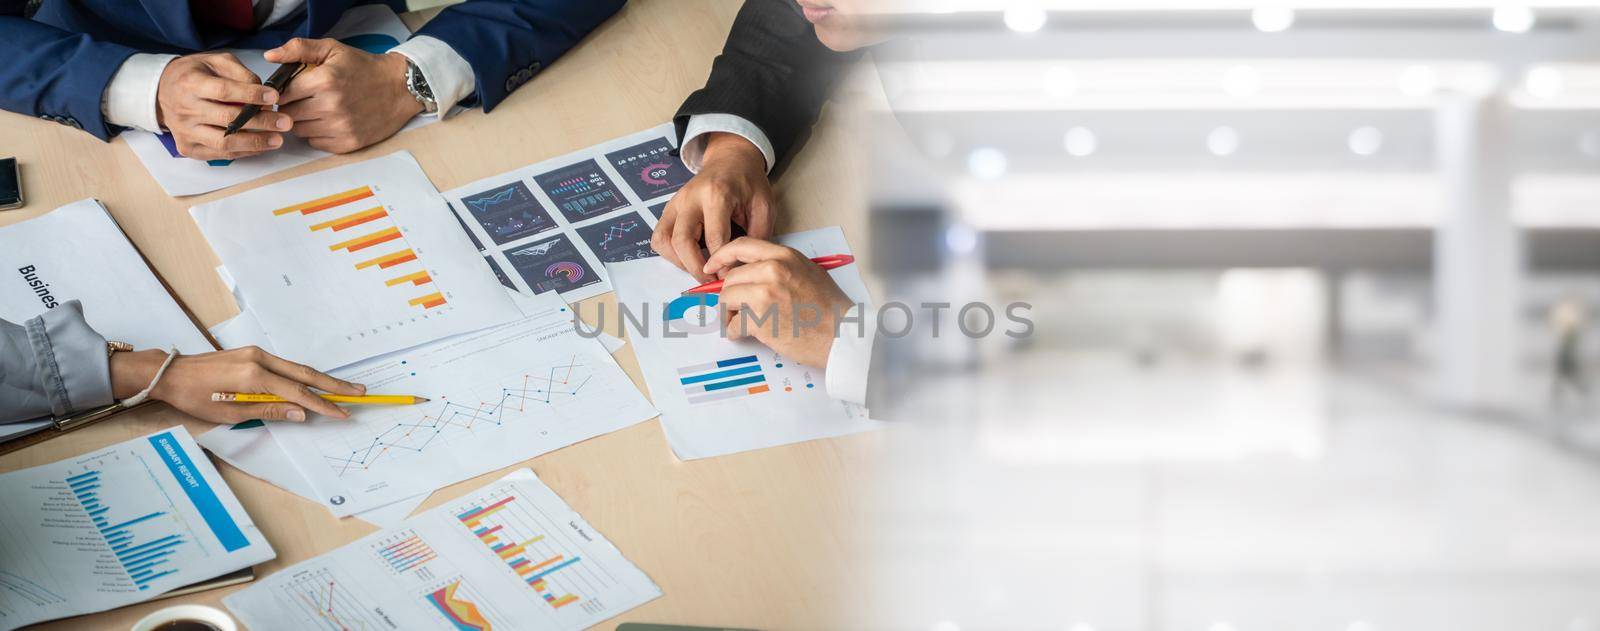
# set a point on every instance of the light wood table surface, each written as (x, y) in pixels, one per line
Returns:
(760, 539)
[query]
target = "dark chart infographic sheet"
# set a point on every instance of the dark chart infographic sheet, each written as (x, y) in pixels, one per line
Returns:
(552, 265)
(581, 191)
(508, 213)
(621, 238)
(658, 209)
(651, 168)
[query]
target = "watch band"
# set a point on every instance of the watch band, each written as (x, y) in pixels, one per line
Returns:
(418, 86)
(117, 347)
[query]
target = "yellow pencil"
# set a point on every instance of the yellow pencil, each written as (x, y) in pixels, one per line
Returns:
(370, 399)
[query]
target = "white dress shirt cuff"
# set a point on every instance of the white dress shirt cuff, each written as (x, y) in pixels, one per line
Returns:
(693, 149)
(850, 359)
(447, 72)
(130, 98)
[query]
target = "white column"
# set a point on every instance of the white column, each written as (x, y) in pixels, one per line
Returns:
(1478, 258)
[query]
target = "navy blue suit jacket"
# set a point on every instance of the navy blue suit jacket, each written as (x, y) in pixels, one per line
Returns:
(57, 62)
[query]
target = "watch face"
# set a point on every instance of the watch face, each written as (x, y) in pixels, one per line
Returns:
(418, 86)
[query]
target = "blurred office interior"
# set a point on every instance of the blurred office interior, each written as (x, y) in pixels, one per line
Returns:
(1316, 291)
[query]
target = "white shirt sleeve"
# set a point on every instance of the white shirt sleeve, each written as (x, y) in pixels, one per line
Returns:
(447, 72)
(130, 98)
(850, 359)
(693, 149)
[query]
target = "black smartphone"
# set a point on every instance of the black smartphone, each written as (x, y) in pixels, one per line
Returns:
(10, 184)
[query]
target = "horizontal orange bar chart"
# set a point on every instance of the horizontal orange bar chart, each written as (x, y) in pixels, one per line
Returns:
(389, 260)
(324, 203)
(564, 601)
(351, 221)
(429, 301)
(759, 389)
(417, 278)
(366, 241)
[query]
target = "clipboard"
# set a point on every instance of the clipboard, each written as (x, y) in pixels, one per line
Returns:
(61, 426)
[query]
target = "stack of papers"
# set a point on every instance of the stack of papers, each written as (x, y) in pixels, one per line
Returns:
(361, 271)
(511, 555)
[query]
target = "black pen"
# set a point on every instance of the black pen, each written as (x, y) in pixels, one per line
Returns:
(278, 81)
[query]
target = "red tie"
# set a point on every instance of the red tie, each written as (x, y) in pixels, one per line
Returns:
(237, 15)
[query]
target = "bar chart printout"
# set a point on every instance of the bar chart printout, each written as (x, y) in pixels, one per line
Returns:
(520, 555)
(116, 527)
(718, 394)
(512, 556)
(367, 251)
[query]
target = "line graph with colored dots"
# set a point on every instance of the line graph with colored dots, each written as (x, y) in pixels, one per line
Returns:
(498, 397)
(518, 402)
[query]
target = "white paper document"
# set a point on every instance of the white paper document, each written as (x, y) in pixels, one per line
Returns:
(499, 397)
(77, 252)
(511, 557)
(373, 28)
(118, 526)
(719, 396)
(552, 226)
(353, 262)
(249, 447)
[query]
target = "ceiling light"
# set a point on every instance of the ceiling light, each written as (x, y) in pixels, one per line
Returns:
(1365, 141)
(1080, 142)
(1222, 142)
(960, 239)
(1272, 19)
(987, 163)
(1025, 20)
(1514, 19)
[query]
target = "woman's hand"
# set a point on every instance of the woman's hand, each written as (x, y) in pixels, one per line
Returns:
(191, 379)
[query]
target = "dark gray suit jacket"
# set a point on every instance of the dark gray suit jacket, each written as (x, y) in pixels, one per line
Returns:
(773, 72)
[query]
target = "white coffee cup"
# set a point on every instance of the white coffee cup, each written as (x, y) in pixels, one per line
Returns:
(209, 615)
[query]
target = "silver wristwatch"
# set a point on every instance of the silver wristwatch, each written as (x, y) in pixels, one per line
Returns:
(417, 85)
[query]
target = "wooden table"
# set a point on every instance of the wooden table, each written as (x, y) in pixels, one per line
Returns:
(759, 539)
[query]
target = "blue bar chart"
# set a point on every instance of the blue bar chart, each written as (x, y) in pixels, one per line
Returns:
(143, 544)
(723, 379)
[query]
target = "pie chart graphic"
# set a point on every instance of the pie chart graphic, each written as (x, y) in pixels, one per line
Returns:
(573, 272)
(694, 314)
(656, 174)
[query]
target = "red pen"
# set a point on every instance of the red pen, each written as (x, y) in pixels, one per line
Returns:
(832, 261)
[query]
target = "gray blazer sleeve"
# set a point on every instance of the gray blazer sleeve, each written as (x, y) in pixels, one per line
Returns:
(52, 365)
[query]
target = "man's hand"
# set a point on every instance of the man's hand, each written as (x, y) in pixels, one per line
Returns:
(198, 95)
(191, 379)
(731, 188)
(350, 100)
(779, 297)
